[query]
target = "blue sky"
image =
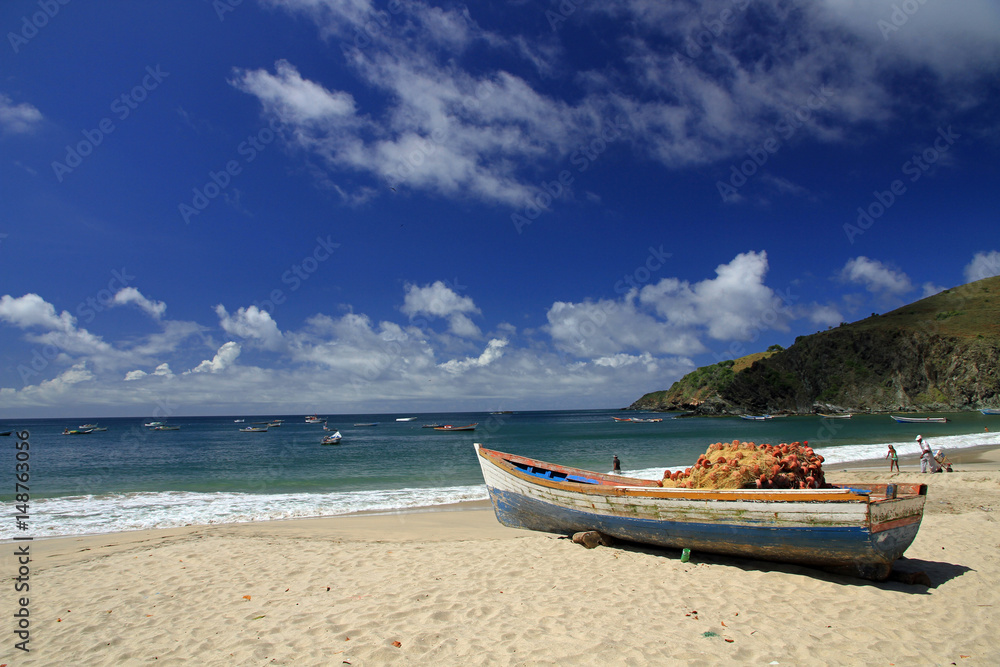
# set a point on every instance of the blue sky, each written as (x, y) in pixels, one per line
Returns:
(291, 206)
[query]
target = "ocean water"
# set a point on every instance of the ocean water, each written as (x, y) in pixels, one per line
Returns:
(131, 477)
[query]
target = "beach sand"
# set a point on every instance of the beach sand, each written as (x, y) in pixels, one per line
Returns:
(456, 588)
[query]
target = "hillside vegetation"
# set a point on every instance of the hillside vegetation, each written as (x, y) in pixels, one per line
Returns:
(939, 353)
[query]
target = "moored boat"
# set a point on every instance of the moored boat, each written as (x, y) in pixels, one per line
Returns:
(81, 431)
(153, 424)
(990, 411)
(449, 427)
(860, 529)
(406, 419)
(165, 427)
(919, 420)
(313, 419)
(332, 439)
(367, 424)
(756, 418)
(254, 429)
(843, 416)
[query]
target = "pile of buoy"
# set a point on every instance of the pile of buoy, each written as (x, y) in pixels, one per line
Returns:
(745, 465)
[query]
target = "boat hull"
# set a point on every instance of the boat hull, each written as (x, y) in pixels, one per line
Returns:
(835, 529)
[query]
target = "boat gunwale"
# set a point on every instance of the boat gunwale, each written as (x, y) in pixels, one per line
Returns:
(611, 485)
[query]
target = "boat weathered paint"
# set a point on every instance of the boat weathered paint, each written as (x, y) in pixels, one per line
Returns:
(857, 530)
(919, 420)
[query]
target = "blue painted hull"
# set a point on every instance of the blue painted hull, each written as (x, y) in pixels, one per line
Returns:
(850, 549)
(842, 529)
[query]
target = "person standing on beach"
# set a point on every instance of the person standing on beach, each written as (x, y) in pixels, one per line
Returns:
(893, 458)
(616, 465)
(926, 457)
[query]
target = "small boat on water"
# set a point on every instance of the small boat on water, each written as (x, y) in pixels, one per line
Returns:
(856, 529)
(332, 439)
(153, 424)
(406, 419)
(5, 433)
(81, 431)
(843, 416)
(313, 419)
(990, 411)
(650, 420)
(756, 418)
(239, 421)
(367, 424)
(919, 420)
(90, 426)
(430, 426)
(254, 429)
(274, 424)
(449, 427)
(164, 427)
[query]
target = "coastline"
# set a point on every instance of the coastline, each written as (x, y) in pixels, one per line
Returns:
(452, 586)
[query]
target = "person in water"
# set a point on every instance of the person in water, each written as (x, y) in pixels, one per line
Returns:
(616, 465)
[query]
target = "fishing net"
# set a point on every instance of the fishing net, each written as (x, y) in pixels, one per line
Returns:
(745, 465)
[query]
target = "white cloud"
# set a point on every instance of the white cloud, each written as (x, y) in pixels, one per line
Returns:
(493, 351)
(930, 289)
(825, 315)
(983, 265)
(17, 118)
(876, 277)
(252, 323)
(222, 360)
(163, 370)
(439, 300)
(32, 310)
(154, 309)
(735, 305)
(288, 95)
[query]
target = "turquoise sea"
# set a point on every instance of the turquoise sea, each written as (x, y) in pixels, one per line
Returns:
(131, 477)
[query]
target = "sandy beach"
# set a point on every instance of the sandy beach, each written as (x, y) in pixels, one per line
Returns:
(456, 588)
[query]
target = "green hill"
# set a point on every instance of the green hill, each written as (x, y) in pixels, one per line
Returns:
(939, 353)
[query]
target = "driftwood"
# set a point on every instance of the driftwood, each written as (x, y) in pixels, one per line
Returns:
(592, 538)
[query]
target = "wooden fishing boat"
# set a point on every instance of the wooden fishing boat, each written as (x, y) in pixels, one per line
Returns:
(332, 439)
(367, 424)
(858, 529)
(449, 427)
(843, 416)
(254, 429)
(919, 420)
(164, 427)
(756, 418)
(990, 411)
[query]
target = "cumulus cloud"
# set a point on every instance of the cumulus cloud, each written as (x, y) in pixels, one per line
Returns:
(154, 309)
(825, 315)
(252, 323)
(983, 265)
(876, 277)
(163, 370)
(17, 118)
(493, 351)
(735, 305)
(440, 300)
(222, 360)
(32, 310)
